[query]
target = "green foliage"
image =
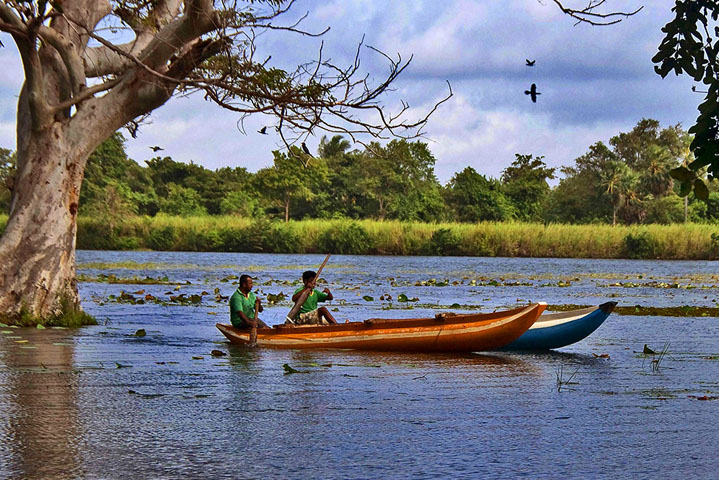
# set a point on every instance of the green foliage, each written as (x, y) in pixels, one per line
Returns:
(639, 246)
(182, 201)
(444, 242)
(7, 174)
(691, 46)
(162, 239)
(525, 185)
(346, 238)
(472, 198)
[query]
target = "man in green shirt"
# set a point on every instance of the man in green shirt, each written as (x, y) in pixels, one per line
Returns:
(309, 313)
(242, 306)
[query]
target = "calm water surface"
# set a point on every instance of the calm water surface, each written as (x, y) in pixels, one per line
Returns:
(100, 402)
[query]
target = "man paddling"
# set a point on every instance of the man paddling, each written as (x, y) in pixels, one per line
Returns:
(242, 306)
(309, 313)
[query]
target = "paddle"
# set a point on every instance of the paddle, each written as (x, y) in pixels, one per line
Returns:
(253, 331)
(305, 293)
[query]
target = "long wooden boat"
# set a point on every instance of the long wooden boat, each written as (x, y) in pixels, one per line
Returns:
(556, 330)
(444, 333)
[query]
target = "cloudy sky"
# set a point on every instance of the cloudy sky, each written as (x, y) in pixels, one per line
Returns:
(594, 81)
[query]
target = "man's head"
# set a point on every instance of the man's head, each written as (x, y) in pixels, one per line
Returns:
(245, 283)
(308, 277)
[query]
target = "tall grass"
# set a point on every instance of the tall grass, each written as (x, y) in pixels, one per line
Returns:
(512, 239)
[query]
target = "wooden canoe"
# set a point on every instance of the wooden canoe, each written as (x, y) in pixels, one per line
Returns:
(443, 333)
(556, 330)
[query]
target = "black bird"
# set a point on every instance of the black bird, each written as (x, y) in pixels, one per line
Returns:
(305, 149)
(694, 89)
(532, 92)
(530, 63)
(156, 148)
(262, 130)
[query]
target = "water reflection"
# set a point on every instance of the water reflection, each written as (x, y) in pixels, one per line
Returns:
(41, 435)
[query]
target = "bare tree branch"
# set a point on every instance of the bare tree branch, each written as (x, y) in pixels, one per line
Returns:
(591, 15)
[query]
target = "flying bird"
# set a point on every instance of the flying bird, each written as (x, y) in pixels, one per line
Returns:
(694, 89)
(305, 149)
(262, 130)
(530, 63)
(532, 92)
(156, 148)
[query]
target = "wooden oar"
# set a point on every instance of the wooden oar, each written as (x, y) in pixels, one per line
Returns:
(253, 330)
(305, 293)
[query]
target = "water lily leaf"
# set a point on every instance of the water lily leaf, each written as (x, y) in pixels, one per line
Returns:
(140, 333)
(119, 365)
(402, 298)
(6, 331)
(3, 325)
(455, 305)
(21, 341)
(40, 327)
(367, 298)
(218, 353)
(289, 369)
(198, 357)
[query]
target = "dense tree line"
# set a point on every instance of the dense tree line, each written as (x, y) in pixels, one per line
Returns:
(626, 182)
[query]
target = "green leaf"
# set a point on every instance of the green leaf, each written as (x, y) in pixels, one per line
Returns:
(289, 369)
(140, 333)
(700, 190)
(402, 298)
(683, 174)
(367, 298)
(685, 189)
(40, 327)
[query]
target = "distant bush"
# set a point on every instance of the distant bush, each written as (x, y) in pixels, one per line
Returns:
(640, 245)
(162, 239)
(346, 238)
(444, 242)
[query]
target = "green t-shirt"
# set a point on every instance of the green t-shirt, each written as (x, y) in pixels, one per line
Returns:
(311, 302)
(240, 303)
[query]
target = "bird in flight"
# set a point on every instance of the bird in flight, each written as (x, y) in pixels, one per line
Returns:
(305, 149)
(156, 148)
(532, 92)
(262, 130)
(530, 63)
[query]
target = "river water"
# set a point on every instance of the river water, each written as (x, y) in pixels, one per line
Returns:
(101, 402)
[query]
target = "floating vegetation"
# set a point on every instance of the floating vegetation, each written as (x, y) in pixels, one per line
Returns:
(198, 357)
(218, 353)
(288, 370)
(275, 298)
(113, 279)
(140, 333)
(403, 298)
(40, 326)
(688, 286)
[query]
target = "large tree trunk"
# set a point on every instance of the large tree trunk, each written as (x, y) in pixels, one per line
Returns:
(37, 250)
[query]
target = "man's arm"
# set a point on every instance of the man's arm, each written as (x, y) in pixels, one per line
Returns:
(327, 292)
(251, 322)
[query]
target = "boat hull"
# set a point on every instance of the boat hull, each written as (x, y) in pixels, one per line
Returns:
(558, 330)
(444, 333)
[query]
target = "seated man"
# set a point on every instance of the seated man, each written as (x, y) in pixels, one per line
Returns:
(309, 313)
(242, 306)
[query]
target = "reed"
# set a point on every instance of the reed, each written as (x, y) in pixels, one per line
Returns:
(488, 239)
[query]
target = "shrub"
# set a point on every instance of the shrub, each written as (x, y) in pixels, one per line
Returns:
(639, 245)
(444, 242)
(162, 238)
(280, 238)
(346, 238)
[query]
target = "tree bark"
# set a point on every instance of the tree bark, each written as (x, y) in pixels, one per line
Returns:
(37, 250)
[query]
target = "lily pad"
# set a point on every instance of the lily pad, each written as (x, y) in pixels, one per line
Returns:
(289, 369)
(140, 333)
(40, 327)
(218, 353)
(21, 341)
(367, 298)
(198, 357)
(119, 365)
